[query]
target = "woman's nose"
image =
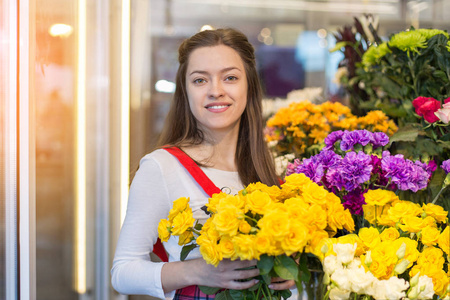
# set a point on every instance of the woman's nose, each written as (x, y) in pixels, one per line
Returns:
(216, 89)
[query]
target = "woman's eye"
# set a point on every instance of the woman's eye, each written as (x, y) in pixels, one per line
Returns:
(199, 80)
(231, 78)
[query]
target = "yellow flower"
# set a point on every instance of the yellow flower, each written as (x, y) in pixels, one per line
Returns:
(178, 206)
(182, 222)
(258, 202)
(275, 224)
(185, 238)
(431, 256)
(214, 201)
(315, 194)
(244, 227)
(369, 236)
(430, 236)
(318, 216)
(339, 218)
(435, 211)
(411, 252)
(296, 238)
(386, 251)
(390, 234)
(228, 201)
(379, 197)
(226, 248)
(244, 246)
(379, 269)
(295, 181)
(316, 243)
(273, 191)
(402, 209)
(227, 220)
(444, 240)
(412, 224)
(209, 250)
(266, 245)
(164, 227)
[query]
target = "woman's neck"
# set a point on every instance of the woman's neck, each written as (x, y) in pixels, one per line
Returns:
(218, 152)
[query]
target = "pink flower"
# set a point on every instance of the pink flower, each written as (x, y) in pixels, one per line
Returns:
(426, 107)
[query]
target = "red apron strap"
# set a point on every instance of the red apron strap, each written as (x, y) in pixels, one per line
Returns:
(208, 186)
(200, 177)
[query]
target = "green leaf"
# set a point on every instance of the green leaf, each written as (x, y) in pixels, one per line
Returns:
(225, 295)
(286, 294)
(408, 133)
(265, 264)
(304, 273)
(236, 294)
(186, 250)
(286, 267)
(209, 290)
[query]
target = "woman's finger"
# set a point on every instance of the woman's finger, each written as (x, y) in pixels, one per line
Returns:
(283, 285)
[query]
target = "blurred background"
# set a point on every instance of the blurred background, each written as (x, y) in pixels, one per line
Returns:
(84, 89)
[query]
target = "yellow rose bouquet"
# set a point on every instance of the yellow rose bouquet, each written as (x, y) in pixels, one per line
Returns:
(278, 227)
(403, 253)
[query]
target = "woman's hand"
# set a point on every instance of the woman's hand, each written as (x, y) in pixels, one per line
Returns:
(236, 275)
(281, 284)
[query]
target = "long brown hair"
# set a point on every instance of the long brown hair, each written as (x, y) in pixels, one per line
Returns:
(253, 159)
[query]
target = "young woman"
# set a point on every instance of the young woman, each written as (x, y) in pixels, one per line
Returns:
(216, 120)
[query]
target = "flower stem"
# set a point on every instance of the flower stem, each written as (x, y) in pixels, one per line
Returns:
(437, 196)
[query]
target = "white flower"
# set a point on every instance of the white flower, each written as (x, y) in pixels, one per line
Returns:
(393, 289)
(361, 282)
(339, 294)
(331, 264)
(354, 264)
(425, 288)
(444, 113)
(345, 252)
(340, 278)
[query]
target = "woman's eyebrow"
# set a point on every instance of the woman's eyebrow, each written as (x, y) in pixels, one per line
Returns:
(222, 71)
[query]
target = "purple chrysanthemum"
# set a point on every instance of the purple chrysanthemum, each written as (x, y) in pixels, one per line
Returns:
(404, 173)
(351, 138)
(351, 172)
(332, 138)
(379, 139)
(446, 166)
(328, 158)
(354, 201)
(311, 167)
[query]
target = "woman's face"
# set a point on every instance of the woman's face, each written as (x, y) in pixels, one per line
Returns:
(216, 88)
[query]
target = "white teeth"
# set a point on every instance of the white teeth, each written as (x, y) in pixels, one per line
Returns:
(217, 106)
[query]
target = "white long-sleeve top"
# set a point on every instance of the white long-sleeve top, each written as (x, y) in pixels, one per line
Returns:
(160, 180)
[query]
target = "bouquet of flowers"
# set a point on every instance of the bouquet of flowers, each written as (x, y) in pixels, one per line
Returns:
(353, 162)
(277, 226)
(410, 64)
(403, 254)
(301, 128)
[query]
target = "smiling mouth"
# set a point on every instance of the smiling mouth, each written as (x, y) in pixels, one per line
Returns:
(217, 106)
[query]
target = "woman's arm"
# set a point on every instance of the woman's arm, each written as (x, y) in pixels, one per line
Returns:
(133, 272)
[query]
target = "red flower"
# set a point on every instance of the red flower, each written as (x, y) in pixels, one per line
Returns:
(426, 107)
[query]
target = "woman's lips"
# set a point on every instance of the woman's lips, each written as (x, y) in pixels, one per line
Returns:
(217, 107)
